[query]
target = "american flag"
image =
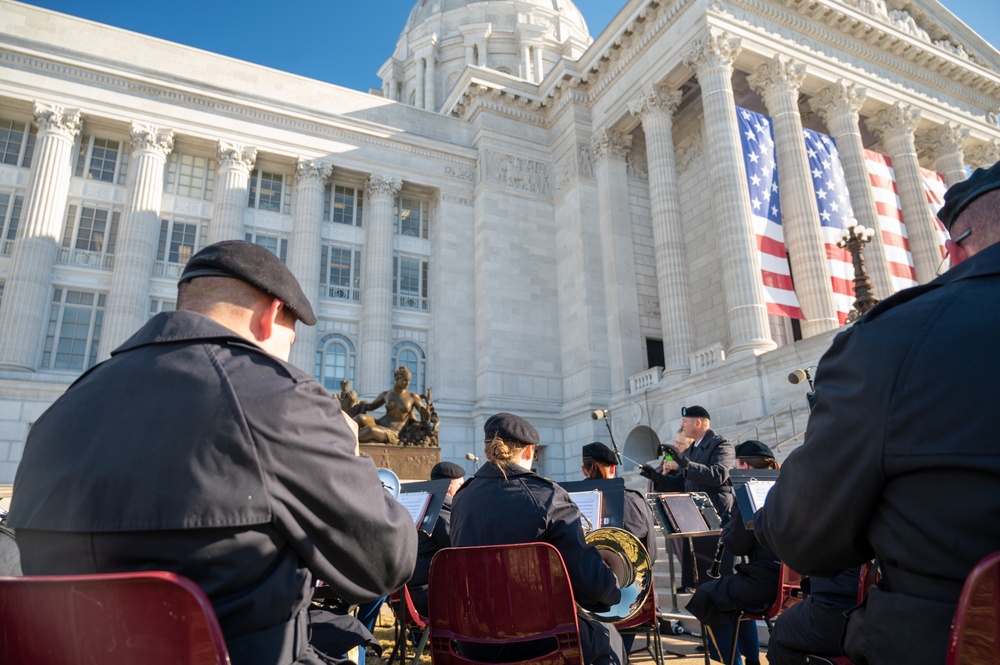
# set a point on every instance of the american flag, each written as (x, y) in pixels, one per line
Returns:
(890, 218)
(757, 137)
(834, 204)
(935, 187)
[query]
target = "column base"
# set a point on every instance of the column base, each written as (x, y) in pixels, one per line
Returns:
(753, 347)
(15, 367)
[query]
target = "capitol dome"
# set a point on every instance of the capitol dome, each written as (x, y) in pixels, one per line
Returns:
(520, 38)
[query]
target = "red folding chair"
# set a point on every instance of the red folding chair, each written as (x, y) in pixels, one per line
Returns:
(975, 630)
(646, 622)
(501, 595)
(407, 615)
(154, 618)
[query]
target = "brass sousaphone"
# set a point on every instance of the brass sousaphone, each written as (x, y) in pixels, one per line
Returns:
(627, 557)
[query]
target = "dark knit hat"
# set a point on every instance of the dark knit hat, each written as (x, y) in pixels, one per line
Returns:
(256, 266)
(753, 448)
(509, 427)
(961, 194)
(599, 452)
(447, 470)
(695, 412)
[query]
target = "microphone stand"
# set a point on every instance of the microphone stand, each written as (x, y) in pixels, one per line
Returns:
(614, 445)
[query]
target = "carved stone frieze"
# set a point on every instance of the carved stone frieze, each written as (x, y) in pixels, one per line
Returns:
(58, 120)
(152, 139)
(690, 151)
(236, 156)
(460, 173)
(524, 175)
(586, 162)
(606, 142)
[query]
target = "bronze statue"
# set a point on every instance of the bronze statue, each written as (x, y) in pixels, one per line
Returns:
(399, 424)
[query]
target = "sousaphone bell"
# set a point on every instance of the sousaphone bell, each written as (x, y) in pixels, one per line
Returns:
(390, 482)
(627, 557)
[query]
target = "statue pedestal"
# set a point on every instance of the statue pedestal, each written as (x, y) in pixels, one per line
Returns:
(407, 462)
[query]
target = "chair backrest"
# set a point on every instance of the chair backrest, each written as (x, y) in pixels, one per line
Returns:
(154, 618)
(502, 596)
(401, 603)
(975, 630)
(789, 589)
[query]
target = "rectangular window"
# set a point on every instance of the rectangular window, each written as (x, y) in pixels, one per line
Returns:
(74, 330)
(275, 243)
(411, 217)
(268, 192)
(157, 305)
(10, 217)
(17, 142)
(343, 205)
(409, 282)
(92, 230)
(187, 175)
(102, 159)
(340, 273)
(178, 240)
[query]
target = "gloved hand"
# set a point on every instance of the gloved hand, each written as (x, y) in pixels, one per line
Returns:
(681, 461)
(647, 471)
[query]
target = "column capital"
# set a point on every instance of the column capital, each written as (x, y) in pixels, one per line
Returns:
(236, 156)
(780, 76)
(151, 139)
(56, 119)
(312, 172)
(382, 187)
(607, 142)
(983, 155)
(947, 139)
(716, 48)
(655, 102)
(843, 98)
(897, 120)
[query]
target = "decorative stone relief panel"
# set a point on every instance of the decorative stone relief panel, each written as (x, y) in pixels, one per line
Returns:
(524, 175)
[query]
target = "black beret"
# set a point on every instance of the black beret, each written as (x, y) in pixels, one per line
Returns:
(447, 470)
(256, 266)
(753, 448)
(695, 412)
(509, 427)
(961, 194)
(599, 452)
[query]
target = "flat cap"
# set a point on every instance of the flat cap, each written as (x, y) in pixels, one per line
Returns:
(695, 412)
(256, 266)
(961, 194)
(753, 448)
(447, 470)
(599, 452)
(509, 427)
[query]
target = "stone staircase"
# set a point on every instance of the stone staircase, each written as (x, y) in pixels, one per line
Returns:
(782, 431)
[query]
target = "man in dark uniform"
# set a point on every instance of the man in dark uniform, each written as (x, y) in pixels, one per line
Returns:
(439, 538)
(703, 467)
(506, 503)
(904, 403)
(198, 449)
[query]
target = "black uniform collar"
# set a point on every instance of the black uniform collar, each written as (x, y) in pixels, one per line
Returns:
(168, 327)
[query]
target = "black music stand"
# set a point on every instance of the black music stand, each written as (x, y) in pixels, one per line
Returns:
(612, 498)
(699, 502)
(437, 489)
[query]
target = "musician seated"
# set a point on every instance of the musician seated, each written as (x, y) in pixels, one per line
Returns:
(440, 537)
(506, 503)
(751, 588)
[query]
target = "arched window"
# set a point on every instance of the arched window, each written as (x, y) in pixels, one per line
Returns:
(408, 354)
(334, 361)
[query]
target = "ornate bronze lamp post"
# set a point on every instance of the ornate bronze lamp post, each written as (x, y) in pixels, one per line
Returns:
(854, 240)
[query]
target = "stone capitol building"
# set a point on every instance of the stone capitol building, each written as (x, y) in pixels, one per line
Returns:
(531, 218)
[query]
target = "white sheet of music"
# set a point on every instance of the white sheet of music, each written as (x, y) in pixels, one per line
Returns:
(416, 504)
(759, 490)
(589, 504)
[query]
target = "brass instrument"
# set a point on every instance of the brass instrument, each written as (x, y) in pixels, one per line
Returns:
(627, 557)
(390, 482)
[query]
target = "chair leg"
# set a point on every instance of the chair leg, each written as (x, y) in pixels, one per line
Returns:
(658, 645)
(420, 646)
(736, 632)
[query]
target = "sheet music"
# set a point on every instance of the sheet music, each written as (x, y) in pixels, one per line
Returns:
(416, 504)
(758, 492)
(590, 507)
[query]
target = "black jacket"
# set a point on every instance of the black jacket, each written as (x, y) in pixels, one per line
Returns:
(707, 471)
(194, 451)
(901, 462)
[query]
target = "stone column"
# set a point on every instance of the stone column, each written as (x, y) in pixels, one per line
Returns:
(430, 83)
(946, 144)
(375, 355)
(135, 254)
(839, 105)
(305, 252)
(232, 181)
(655, 107)
(25, 308)
(421, 80)
(618, 257)
(778, 83)
(538, 63)
(894, 126)
(525, 61)
(743, 290)
(983, 155)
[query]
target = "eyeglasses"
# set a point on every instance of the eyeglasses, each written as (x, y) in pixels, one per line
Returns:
(958, 241)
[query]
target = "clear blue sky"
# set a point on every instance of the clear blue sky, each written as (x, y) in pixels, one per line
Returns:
(338, 41)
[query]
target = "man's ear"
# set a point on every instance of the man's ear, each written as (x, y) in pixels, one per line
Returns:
(956, 252)
(265, 318)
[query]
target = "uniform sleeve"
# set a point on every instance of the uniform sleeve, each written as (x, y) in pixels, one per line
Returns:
(667, 482)
(328, 502)
(735, 536)
(639, 522)
(817, 515)
(716, 472)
